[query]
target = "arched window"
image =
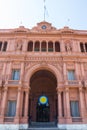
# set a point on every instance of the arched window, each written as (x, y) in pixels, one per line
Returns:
(50, 46)
(57, 46)
(37, 46)
(43, 46)
(30, 46)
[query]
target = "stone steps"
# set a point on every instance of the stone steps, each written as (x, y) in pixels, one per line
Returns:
(42, 126)
(42, 129)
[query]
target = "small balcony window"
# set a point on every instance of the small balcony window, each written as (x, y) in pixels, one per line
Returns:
(15, 74)
(71, 75)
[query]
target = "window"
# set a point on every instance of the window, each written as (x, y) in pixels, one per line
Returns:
(86, 47)
(37, 46)
(30, 46)
(50, 46)
(74, 106)
(82, 47)
(43, 46)
(4, 46)
(11, 108)
(71, 75)
(57, 46)
(0, 45)
(15, 74)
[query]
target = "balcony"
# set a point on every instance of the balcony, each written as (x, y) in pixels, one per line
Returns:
(73, 83)
(13, 83)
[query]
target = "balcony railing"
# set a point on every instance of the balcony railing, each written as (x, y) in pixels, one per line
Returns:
(9, 119)
(72, 82)
(76, 119)
(13, 82)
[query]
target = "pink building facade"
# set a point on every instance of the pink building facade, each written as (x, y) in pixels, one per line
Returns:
(43, 77)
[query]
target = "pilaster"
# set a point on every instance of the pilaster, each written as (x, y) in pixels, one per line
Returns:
(68, 115)
(3, 104)
(18, 106)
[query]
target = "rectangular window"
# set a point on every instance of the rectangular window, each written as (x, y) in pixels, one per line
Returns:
(82, 47)
(15, 74)
(4, 46)
(71, 75)
(74, 106)
(11, 108)
(86, 47)
(0, 46)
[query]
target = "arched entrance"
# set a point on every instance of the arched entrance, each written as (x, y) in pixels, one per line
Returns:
(43, 109)
(43, 97)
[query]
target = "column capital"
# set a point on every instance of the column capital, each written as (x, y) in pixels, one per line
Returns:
(19, 89)
(5, 88)
(59, 90)
(66, 89)
(80, 89)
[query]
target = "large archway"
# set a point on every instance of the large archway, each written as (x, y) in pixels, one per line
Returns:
(43, 96)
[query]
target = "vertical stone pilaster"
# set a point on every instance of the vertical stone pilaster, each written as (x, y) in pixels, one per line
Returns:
(53, 46)
(64, 71)
(26, 104)
(59, 104)
(82, 107)
(22, 71)
(18, 106)
(76, 70)
(9, 70)
(3, 105)
(67, 103)
(33, 46)
(86, 97)
(82, 70)
(4, 69)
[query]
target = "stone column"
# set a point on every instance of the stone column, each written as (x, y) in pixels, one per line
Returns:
(53, 46)
(9, 71)
(82, 107)
(18, 106)
(0, 100)
(76, 71)
(64, 71)
(26, 104)
(47, 46)
(82, 70)
(3, 104)
(59, 104)
(67, 103)
(22, 71)
(4, 69)
(86, 97)
(33, 46)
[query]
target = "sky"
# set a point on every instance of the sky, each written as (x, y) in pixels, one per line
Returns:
(72, 13)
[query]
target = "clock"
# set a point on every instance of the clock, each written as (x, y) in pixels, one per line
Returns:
(44, 27)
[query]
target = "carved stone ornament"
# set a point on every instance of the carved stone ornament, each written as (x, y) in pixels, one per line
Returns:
(19, 44)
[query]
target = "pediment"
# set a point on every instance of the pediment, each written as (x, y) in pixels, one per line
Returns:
(44, 26)
(21, 29)
(67, 30)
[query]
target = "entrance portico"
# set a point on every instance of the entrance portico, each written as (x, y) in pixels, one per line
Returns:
(43, 85)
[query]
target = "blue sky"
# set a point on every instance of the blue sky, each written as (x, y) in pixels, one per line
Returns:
(60, 13)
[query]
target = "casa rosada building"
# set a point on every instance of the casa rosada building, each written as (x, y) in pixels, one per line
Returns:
(43, 77)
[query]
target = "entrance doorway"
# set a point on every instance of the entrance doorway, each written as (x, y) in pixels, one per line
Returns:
(43, 110)
(43, 97)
